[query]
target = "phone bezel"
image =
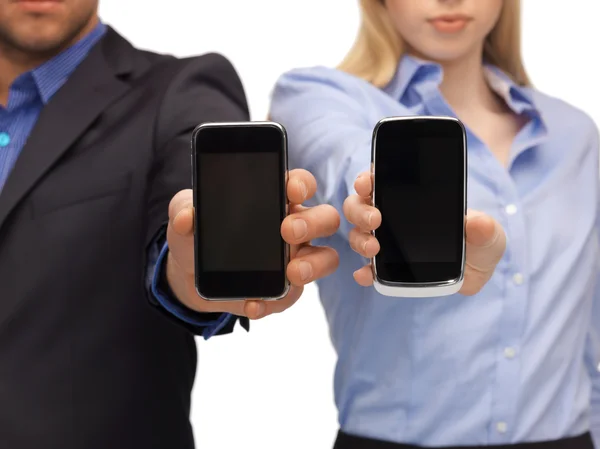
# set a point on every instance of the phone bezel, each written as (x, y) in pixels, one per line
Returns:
(420, 289)
(286, 257)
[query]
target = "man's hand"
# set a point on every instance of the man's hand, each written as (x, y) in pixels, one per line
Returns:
(486, 240)
(307, 262)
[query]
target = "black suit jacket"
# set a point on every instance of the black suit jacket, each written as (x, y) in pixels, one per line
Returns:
(85, 361)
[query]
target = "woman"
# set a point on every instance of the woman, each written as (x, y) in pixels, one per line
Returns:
(508, 365)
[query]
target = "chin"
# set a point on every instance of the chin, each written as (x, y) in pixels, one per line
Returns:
(40, 44)
(446, 52)
(40, 39)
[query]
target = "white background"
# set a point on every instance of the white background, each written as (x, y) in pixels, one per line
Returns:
(272, 388)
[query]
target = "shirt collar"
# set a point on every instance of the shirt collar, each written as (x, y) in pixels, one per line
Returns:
(51, 75)
(413, 71)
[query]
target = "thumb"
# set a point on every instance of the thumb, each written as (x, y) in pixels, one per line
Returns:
(486, 241)
(180, 235)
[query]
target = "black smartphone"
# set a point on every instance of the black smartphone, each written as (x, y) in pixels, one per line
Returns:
(419, 169)
(240, 200)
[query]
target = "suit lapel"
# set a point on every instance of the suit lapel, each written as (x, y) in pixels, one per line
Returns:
(92, 87)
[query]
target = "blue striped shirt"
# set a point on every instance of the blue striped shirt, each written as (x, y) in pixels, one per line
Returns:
(512, 364)
(30, 92)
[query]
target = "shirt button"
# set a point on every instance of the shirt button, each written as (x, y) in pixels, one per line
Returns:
(4, 139)
(510, 353)
(518, 279)
(501, 427)
(511, 209)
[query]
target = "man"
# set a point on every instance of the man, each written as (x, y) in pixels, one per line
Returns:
(94, 144)
(96, 219)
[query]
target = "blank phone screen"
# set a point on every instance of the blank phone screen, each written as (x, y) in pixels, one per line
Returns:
(239, 211)
(240, 205)
(419, 189)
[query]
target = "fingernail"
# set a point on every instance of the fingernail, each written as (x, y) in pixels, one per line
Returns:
(368, 217)
(365, 247)
(305, 271)
(303, 189)
(300, 228)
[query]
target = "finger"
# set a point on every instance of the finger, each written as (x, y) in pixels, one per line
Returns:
(196, 302)
(364, 216)
(295, 208)
(182, 202)
(183, 223)
(364, 243)
(486, 243)
(180, 236)
(312, 263)
(257, 309)
(364, 276)
(254, 309)
(364, 185)
(301, 186)
(309, 224)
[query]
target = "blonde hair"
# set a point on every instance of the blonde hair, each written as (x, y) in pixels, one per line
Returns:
(378, 48)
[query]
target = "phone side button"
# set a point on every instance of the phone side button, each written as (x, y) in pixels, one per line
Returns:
(192, 169)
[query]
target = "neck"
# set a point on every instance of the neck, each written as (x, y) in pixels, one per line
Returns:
(14, 61)
(465, 87)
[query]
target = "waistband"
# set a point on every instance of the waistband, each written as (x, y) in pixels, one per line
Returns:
(345, 441)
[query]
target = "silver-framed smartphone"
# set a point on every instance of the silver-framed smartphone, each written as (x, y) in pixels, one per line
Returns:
(240, 174)
(419, 168)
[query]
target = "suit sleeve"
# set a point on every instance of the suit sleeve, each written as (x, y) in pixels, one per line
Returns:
(204, 89)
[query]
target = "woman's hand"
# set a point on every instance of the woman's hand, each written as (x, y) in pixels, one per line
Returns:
(486, 240)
